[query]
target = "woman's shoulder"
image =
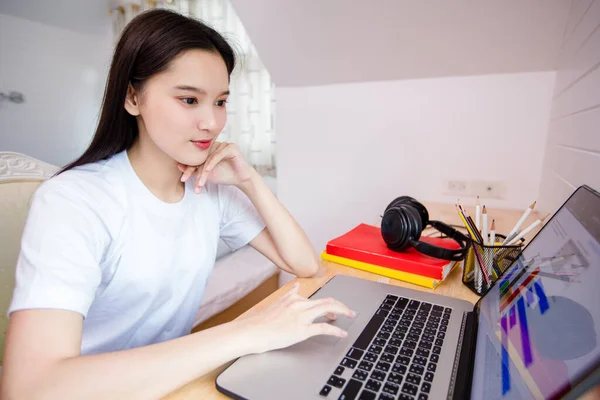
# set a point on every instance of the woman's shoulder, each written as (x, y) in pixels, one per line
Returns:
(96, 185)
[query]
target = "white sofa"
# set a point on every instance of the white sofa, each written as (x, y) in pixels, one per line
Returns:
(234, 276)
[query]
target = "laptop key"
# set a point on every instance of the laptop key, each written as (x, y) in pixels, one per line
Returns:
(377, 374)
(427, 337)
(413, 337)
(367, 395)
(436, 350)
(426, 387)
(425, 344)
(412, 378)
(360, 374)
(367, 366)
(388, 357)
(417, 369)
(391, 388)
(409, 344)
(434, 358)
(420, 360)
(391, 350)
(409, 388)
(383, 366)
(391, 297)
(370, 357)
(355, 354)
(406, 352)
(339, 370)
(395, 378)
(364, 339)
(414, 304)
(385, 396)
(399, 368)
(376, 349)
(379, 342)
(423, 396)
(340, 382)
(403, 360)
(402, 302)
(351, 390)
(348, 362)
(431, 367)
(422, 352)
(325, 391)
(384, 335)
(373, 385)
(404, 396)
(428, 376)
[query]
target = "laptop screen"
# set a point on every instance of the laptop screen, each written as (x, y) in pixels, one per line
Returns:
(539, 325)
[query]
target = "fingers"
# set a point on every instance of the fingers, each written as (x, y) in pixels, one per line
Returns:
(187, 172)
(326, 306)
(213, 159)
(331, 316)
(326, 329)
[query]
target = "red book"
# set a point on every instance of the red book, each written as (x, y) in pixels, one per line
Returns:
(365, 244)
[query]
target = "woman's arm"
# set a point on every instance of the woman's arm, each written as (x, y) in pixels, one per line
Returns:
(283, 241)
(42, 360)
(42, 357)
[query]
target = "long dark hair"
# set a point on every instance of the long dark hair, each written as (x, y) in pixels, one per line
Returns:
(146, 47)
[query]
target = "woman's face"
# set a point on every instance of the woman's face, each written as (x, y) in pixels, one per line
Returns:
(182, 109)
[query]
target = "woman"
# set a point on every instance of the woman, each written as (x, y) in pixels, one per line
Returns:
(118, 247)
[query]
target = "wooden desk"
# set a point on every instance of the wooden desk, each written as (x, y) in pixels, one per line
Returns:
(204, 387)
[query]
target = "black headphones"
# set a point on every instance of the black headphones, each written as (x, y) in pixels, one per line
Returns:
(403, 221)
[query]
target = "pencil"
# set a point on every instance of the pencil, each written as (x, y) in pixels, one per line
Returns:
(478, 214)
(526, 231)
(520, 222)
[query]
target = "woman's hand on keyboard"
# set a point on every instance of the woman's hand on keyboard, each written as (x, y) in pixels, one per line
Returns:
(290, 320)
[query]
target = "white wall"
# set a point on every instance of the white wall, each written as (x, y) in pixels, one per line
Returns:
(573, 148)
(345, 151)
(61, 73)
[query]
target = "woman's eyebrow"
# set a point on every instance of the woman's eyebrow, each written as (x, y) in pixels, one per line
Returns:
(197, 90)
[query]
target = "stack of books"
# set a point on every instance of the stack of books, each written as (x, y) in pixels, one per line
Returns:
(364, 248)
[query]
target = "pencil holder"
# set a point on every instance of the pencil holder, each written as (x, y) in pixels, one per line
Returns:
(484, 264)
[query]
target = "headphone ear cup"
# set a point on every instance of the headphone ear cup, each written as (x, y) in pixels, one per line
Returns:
(394, 230)
(415, 226)
(398, 201)
(423, 213)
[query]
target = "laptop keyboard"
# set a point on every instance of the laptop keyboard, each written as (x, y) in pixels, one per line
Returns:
(396, 355)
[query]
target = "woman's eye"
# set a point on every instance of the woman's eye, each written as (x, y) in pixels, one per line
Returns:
(189, 100)
(221, 103)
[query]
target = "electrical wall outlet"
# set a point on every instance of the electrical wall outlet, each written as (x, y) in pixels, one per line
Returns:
(472, 188)
(488, 189)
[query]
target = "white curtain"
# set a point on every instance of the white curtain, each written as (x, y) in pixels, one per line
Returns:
(250, 111)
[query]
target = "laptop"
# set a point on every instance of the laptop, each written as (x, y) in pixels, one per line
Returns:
(535, 334)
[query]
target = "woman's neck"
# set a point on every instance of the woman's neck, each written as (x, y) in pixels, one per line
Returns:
(157, 171)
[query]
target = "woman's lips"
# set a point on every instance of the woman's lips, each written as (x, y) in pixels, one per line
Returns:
(202, 144)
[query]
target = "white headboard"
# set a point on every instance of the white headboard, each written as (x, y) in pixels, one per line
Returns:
(17, 166)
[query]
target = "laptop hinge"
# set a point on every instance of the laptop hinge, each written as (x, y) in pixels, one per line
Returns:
(463, 371)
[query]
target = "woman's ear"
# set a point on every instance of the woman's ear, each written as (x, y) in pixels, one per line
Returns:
(132, 103)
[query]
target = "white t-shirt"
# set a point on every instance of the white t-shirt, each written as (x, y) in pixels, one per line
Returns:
(98, 242)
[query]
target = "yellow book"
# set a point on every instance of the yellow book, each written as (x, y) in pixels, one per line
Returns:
(389, 272)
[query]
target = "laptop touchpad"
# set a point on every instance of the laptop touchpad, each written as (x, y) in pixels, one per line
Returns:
(341, 321)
